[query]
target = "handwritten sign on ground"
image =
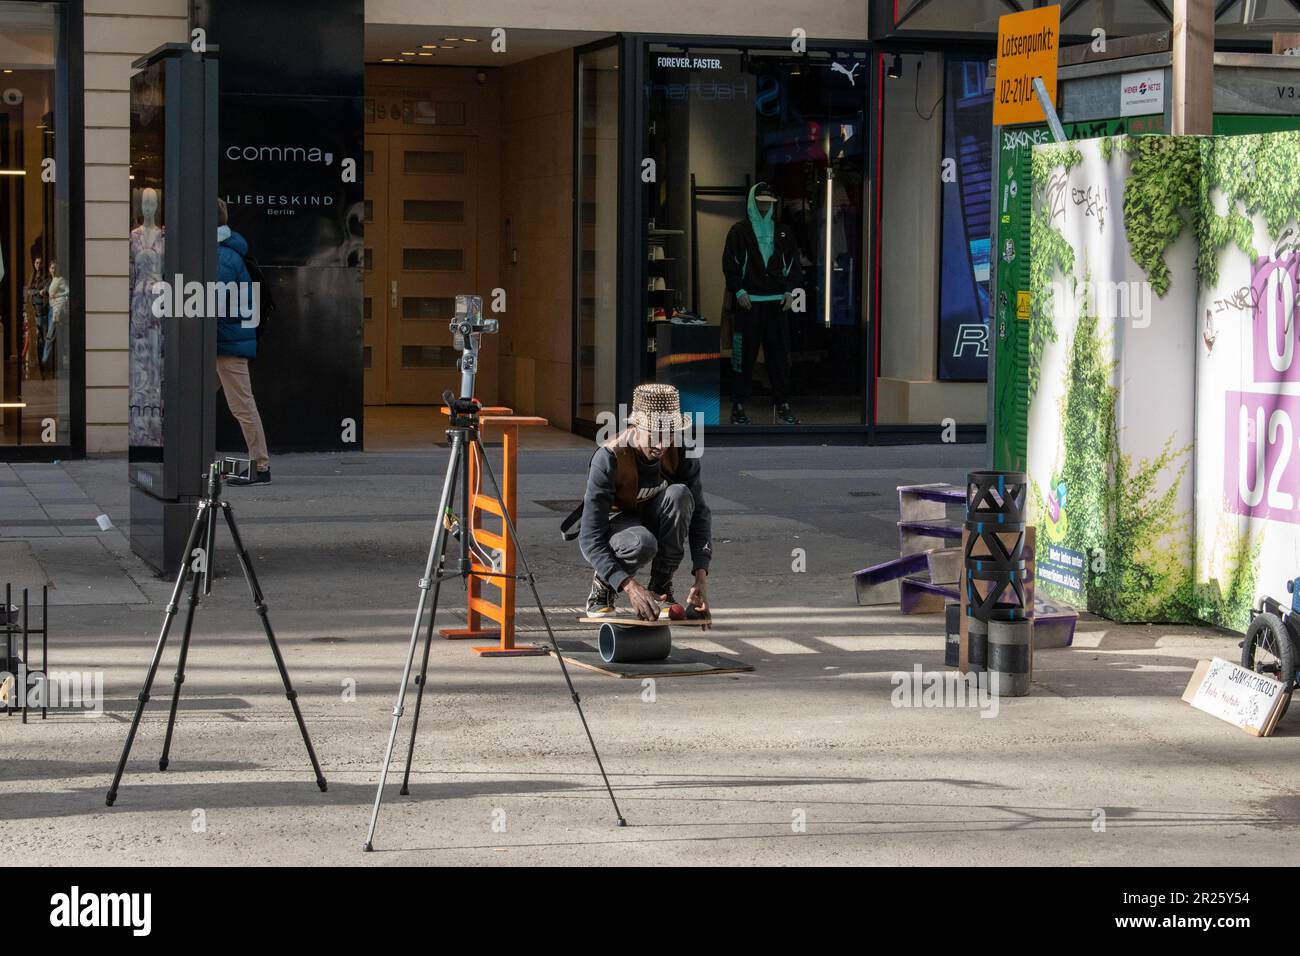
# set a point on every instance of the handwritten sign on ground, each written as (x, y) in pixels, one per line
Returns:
(1027, 44)
(1242, 697)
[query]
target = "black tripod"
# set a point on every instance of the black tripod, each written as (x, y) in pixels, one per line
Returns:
(465, 441)
(197, 565)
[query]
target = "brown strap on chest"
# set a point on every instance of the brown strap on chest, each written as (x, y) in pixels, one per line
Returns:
(627, 481)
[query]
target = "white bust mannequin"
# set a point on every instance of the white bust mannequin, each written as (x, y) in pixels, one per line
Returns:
(149, 211)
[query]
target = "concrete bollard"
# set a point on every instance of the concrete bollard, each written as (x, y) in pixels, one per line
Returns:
(1008, 657)
(977, 644)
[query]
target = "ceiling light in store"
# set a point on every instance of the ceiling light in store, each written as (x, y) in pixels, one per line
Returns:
(425, 53)
(13, 172)
(468, 40)
(408, 53)
(388, 59)
(428, 46)
(446, 47)
(896, 68)
(8, 71)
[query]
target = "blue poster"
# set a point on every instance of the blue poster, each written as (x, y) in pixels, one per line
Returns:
(964, 265)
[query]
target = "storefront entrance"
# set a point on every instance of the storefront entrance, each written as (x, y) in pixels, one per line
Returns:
(755, 333)
(41, 358)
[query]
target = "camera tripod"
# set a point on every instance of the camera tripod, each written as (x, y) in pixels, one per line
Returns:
(465, 441)
(196, 565)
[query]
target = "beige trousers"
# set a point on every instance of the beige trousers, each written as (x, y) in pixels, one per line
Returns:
(233, 372)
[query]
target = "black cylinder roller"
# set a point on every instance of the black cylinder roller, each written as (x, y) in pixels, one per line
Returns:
(633, 643)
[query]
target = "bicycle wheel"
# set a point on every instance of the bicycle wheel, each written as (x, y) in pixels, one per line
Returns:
(1268, 649)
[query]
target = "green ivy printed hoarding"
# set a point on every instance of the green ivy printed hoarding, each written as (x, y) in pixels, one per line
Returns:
(1163, 404)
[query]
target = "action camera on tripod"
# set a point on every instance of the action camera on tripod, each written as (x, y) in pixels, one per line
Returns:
(467, 330)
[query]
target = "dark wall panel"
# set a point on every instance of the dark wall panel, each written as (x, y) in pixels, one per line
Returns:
(292, 81)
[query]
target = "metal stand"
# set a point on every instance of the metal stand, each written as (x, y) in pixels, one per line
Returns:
(197, 566)
(465, 441)
(19, 668)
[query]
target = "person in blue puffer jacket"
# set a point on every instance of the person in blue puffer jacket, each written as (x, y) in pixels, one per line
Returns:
(236, 344)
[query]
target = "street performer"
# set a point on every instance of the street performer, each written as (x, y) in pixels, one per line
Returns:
(644, 503)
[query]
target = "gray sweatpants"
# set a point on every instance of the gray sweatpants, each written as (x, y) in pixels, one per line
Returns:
(655, 534)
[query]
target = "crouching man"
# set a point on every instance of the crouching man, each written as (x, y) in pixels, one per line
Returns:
(643, 506)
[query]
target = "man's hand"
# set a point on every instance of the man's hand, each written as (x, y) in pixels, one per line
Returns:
(787, 302)
(699, 593)
(743, 300)
(643, 602)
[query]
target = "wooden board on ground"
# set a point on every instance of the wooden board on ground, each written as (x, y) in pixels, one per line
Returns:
(705, 622)
(682, 662)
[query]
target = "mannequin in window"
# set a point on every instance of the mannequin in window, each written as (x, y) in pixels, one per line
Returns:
(37, 302)
(56, 324)
(760, 261)
(147, 241)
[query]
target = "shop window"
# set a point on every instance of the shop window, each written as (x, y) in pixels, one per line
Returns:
(36, 289)
(753, 234)
(935, 187)
(596, 239)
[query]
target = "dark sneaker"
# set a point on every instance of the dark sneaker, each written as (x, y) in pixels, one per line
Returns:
(259, 477)
(785, 416)
(738, 416)
(600, 602)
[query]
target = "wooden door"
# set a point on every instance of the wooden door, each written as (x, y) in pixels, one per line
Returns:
(431, 250)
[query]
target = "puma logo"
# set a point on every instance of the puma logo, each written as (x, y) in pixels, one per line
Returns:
(840, 68)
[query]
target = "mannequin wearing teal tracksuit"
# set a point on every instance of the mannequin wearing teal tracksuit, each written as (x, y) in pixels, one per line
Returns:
(761, 264)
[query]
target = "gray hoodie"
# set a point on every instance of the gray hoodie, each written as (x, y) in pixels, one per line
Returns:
(593, 538)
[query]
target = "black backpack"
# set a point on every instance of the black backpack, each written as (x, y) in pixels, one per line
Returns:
(264, 293)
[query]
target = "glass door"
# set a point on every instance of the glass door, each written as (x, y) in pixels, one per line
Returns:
(35, 279)
(596, 235)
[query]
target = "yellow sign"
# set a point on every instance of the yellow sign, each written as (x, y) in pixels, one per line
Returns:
(1022, 305)
(1027, 45)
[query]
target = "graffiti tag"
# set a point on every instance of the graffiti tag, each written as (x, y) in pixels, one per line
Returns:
(1095, 202)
